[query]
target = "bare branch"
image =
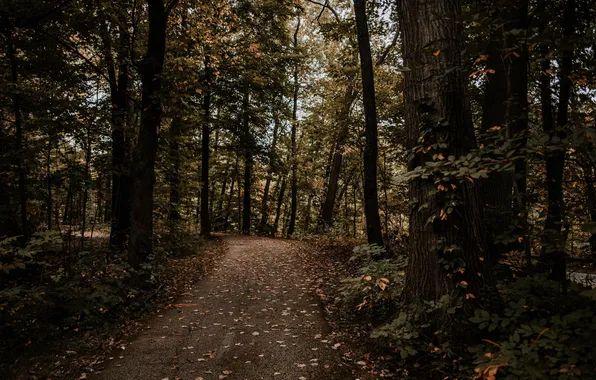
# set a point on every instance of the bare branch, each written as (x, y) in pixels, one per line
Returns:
(326, 5)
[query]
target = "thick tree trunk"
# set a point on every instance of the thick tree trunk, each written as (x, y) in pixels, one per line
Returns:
(174, 173)
(141, 244)
(294, 187)
(553, 250)
(248, 163)
(49, 182)
(371, 197)
(205, 153)
(437, 112)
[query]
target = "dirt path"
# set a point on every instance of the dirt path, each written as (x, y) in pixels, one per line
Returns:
(255, 317)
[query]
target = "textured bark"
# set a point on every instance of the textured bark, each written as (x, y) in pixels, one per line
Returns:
(437, 110)
(371, 197)
(553, 252)
(141, 235)
(294, 186)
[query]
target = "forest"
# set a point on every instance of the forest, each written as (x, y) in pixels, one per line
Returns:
(426, 170)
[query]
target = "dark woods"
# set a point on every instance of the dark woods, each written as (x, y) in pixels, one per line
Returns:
(455, 137)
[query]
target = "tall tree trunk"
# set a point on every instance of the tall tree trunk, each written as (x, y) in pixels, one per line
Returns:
(248, 163)
(141, 244)
(272, 166)
(553, 252)
(229, 206)
(8, 222)
(220, 202)
(121, 181)
(49, 181)
(280, 202)
(371, 198)
(437, 112)
(307, 213)
(174, 173)
(86, 187)
(205, 217)
(590, 178)
(517, 119)
(326, 218)
(294, 191)
(18, 123)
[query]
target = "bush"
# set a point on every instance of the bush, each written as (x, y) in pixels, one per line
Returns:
(539, 334)
(378, 285)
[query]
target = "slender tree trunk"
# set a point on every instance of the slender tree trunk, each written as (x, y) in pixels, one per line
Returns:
(590, 178)
(86, 187)
(220, 201)
(121, 181)
(437, 111)
(174, 173)
(326, 219)
(553, 252)
(18, 123)
(272, 165)
(307, 213)
(141, 244)
(280, 201)
(205, 153)
(248, 163)
(294, 187)
(49, 181)
(107, 213)
(229, 206)
(371, 198)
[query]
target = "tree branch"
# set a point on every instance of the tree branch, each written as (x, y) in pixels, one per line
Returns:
(326, 5)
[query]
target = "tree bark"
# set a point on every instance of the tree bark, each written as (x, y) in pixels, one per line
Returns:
(141, 236)
(205, 153)
(280, 201)
(121, 180)
(18, 124)
(272, 164)
(326, 218)
(553, 250)
(371, 197)
(294, 191)
(437, 112)
(248, 163)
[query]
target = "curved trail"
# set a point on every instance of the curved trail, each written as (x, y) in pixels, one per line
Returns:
(255, 317)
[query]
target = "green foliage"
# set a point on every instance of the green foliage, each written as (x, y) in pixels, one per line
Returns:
(538, 335)
(378, 285)
(14, 257)
(418, 325)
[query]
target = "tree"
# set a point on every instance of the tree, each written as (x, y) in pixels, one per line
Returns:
(445, 219)
(371, 197)
(141, 235)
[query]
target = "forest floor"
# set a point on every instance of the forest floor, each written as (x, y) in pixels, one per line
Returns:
(256, 316)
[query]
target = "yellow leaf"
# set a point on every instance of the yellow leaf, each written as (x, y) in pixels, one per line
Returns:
(436, 53)
(367, 278)
(470, 295)
(441, 157)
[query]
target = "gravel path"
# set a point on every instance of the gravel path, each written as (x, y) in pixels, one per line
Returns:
(255, 317)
